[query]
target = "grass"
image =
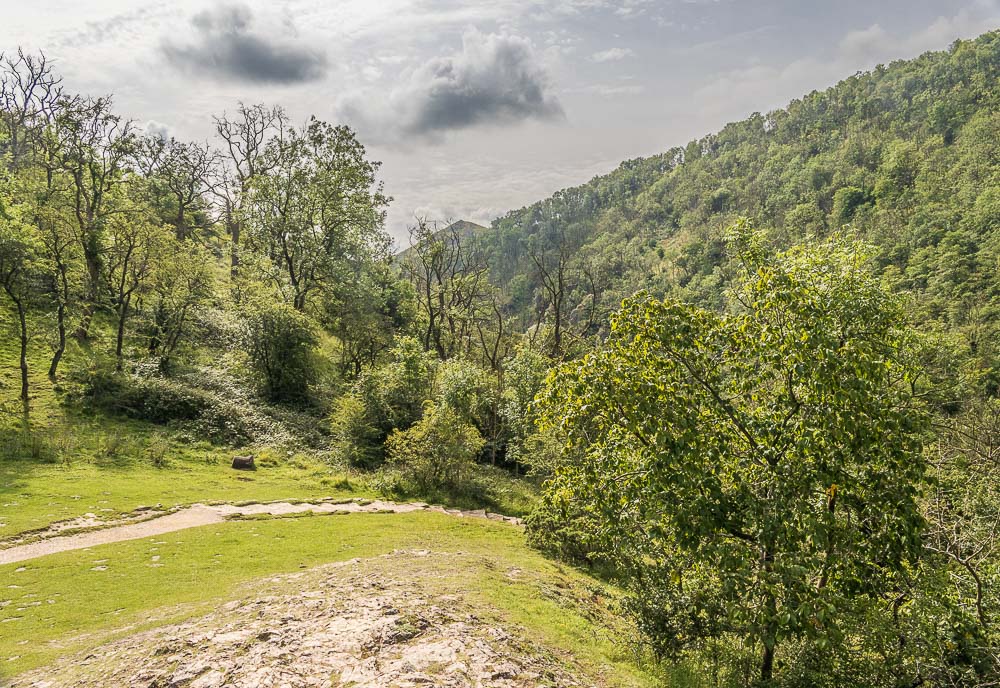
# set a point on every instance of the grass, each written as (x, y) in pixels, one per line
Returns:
(72, 601)
(34, 495)
(71, 464)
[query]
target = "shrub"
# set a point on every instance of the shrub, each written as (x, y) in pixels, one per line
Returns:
(157, 400)
(523, 379)
(846, 202)
(356, 440)
(468, 390)
(280, 342)
(472, 392)
(390, 397)
(437, 452)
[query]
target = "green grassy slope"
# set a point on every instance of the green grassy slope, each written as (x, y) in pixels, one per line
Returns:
(73, 601)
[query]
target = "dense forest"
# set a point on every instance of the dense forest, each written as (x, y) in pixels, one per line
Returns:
(753, 381)
(906, 156)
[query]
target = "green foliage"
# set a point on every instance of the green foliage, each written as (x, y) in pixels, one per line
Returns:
(846, 202)
(437, 452)
(385, 398)
(280, 342)
(156, 400)
(523, 378)
(906, 154)
(758, 470)
(357, 439)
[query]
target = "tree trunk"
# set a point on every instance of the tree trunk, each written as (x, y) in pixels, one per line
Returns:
(61, 347)
(120, 340)
(770, 635)
(93, 291)
(180, 230)
(767, 660)
(22, 319)
(234, 232)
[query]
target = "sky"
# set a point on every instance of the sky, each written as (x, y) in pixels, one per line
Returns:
(479, 107)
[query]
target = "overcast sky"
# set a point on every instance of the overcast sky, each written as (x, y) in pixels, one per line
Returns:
(477, 107)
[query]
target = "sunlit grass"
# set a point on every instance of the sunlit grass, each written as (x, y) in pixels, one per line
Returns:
(72, 601)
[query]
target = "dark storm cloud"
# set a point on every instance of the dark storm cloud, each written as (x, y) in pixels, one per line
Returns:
(227, 45)
(494, 79)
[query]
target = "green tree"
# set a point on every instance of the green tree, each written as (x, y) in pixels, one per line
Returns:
(319, 206)
(438, 451)
(280, 342)
(756, 472)
(19, 256)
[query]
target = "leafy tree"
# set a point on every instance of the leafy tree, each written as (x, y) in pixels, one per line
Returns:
(280, 342)
(95, 149)
(19, 254)
(180, 174)
(385, 398)
(438, 451)
(316, 208)
(181, 287)
(755, 472)
(130, 250)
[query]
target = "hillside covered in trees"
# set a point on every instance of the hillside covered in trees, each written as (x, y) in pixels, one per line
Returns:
(906, 156)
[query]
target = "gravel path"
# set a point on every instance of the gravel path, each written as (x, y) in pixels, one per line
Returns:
(203, 515)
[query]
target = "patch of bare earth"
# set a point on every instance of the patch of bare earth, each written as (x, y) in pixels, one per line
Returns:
(367, 624)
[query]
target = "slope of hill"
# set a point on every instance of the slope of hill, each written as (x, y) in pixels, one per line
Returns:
(464, 229)
(906, 155)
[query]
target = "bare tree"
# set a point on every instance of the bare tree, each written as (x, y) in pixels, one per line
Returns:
(245, 137)
(551, 253)
(29, 93)
(451, 279)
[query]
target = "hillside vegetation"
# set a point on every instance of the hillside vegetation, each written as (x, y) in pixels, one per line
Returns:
(746, 395)
(906, 156)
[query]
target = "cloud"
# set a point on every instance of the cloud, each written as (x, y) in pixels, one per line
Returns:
(227, 45)
(496, 79)
(612, 55)
(608, 90)
(874, 43)
(157, 129)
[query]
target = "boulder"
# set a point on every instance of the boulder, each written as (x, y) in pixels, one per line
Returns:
(244, 463)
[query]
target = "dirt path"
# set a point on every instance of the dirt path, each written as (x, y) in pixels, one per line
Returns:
(204, 514)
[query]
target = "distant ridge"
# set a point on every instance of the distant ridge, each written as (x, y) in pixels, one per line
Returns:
(465, 229)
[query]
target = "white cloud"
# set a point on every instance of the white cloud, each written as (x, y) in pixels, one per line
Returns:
(612, 55)
(761, 87)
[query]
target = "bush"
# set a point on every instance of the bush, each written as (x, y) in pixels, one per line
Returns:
(846, 202)
(390, 397)
(472, 392)
(211, 409)
(280, 342)
(436, 453)
(356, 440)
(522, 380)
(156, 400)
